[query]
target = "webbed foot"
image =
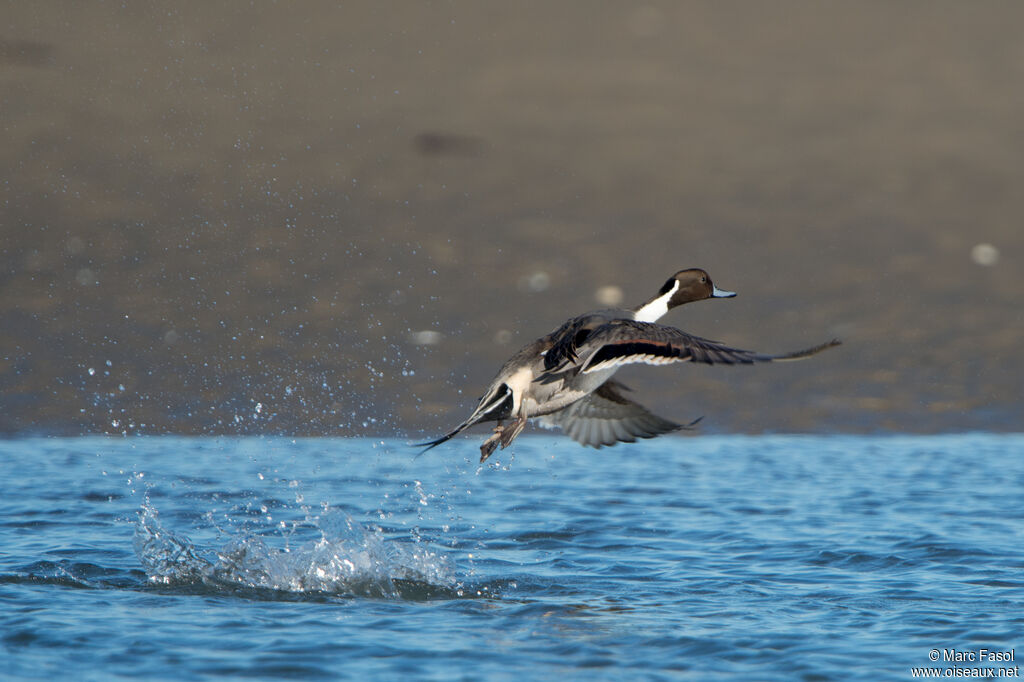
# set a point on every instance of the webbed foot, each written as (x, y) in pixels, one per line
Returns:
(511, 431)
(503, 435)
(491, 444)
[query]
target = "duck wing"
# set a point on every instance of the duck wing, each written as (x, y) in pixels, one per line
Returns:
(569, 338)
(606, 417)
(622, 342)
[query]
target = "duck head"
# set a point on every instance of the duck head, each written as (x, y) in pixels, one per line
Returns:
(686, 286)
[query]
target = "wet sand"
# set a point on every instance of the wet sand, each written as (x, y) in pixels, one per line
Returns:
(224, 219)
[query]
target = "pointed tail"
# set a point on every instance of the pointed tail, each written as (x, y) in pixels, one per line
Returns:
(807, 352)
(430, 444)
(489, 404)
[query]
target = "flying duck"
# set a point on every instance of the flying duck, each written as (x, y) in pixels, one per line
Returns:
(563, 379)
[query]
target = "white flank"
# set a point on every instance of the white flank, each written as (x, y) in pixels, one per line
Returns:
(653, 311)
(519, 382)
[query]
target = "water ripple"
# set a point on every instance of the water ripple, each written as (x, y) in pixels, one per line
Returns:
(773, 558)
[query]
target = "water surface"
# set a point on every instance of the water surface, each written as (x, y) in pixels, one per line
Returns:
(713, 557)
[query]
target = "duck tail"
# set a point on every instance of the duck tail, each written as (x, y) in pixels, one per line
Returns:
(807, 352)
(431, 444)
(484, 411)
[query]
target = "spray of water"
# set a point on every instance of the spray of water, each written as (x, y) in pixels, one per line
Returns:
(345, 559)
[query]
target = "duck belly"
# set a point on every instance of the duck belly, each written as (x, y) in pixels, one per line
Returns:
(544, 399)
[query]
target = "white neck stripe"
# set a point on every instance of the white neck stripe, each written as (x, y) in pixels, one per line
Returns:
(653, 311)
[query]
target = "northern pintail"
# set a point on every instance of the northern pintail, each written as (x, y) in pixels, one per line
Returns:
(563, 379)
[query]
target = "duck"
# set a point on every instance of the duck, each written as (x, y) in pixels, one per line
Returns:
(564, 378)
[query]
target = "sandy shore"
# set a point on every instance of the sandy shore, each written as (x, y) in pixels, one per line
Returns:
(221, 218)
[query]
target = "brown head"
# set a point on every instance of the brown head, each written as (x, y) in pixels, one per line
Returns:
(685, 286)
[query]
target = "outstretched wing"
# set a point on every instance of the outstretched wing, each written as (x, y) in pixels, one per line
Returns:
(567, 340)
(623, 342)
(606, 417)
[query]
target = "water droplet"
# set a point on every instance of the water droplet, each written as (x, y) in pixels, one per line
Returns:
(535, 282)
(427, 337)
(85, 277)
(608, 295)
(985, 254)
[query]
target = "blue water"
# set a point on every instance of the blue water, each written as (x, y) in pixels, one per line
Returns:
(709, 557)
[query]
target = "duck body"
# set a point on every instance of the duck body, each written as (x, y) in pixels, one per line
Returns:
(564, 378)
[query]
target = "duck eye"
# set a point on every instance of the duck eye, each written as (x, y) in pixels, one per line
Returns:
(703, 279)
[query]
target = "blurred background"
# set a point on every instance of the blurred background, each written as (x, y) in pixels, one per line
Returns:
(328, 218)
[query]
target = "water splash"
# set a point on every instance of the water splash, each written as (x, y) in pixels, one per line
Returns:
(346, 559)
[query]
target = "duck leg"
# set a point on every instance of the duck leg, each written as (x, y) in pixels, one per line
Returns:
(503, 434)
(510, 432)
(491, 444)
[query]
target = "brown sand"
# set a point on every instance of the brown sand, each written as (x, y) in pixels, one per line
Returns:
(234, 218)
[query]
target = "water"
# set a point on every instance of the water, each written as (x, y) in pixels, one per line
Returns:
(708, 557)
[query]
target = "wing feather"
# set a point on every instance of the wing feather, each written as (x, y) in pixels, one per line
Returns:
(606, 417)
(622, 342)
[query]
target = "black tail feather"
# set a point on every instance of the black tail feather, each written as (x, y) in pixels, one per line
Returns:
(430, 444)
(484, 411)
(807, 352)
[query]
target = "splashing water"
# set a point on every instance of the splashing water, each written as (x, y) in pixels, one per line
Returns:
(346, 559)
(735, 558)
